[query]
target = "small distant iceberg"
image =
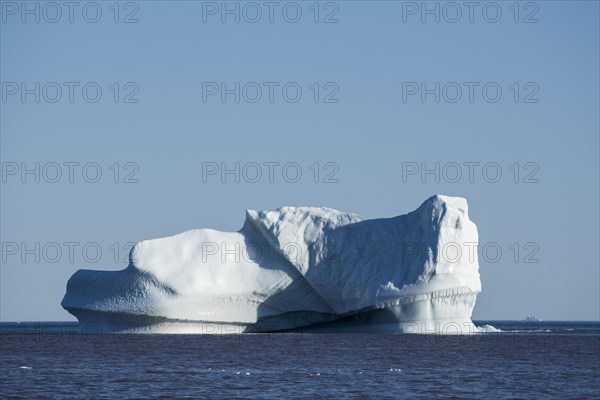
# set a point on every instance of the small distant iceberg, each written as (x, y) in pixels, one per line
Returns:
(531, 319)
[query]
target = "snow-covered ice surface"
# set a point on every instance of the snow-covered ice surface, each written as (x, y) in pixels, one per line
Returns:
(295, 268)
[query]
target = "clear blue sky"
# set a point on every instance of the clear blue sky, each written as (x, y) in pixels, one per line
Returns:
(373, 58)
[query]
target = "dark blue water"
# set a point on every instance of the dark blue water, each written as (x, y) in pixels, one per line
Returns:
(527, 360)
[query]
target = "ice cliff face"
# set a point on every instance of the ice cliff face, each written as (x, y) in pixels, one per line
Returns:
(295, 267)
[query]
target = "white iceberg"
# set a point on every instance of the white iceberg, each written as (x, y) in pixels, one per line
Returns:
(294, 268)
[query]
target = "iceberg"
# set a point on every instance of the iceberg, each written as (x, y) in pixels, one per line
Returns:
(295, 268)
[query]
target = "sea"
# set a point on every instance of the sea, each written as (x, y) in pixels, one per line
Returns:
(525, 360)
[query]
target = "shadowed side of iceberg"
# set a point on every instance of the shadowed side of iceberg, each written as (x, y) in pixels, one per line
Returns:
(356, 264)
(446, 312)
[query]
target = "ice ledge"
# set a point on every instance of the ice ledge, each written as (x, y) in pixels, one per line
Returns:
(439, 312)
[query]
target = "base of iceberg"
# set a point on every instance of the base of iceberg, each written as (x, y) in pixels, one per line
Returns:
(294, 269)
(440, 313)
